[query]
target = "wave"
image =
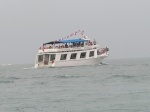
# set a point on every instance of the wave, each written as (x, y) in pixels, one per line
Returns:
(6, 64)
(103, 63)
(121, 76)
(66, 76)
(28, 68)
(14, 78)
(6, 82)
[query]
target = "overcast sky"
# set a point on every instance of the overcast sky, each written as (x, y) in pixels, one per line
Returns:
(121, 25)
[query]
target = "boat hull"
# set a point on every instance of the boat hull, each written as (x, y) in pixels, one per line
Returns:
(81, 62)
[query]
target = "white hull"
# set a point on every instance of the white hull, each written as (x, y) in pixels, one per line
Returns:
(90, 61)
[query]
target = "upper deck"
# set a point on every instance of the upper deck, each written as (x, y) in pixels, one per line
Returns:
(68, 46)
(57, 49)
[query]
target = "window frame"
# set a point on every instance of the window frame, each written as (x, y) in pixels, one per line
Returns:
(42, 57)
(83, 56)
(72, 57)
(63, 58)
(91, 54)
(51, 57)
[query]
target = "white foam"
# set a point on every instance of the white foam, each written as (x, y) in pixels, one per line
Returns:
(6, 64)
(28, 68)
(103, 63)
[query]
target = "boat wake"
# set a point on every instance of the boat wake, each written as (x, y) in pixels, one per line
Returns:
(28, 68)
(103, 63)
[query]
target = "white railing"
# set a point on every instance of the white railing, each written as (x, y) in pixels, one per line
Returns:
(75, 48)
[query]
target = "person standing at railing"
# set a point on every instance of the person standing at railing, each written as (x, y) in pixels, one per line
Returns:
(94, 42)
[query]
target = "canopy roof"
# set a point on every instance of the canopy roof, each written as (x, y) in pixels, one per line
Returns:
(52, 42)
(65, 41)
(72, 41)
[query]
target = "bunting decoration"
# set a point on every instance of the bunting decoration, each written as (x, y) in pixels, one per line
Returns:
(74, 34)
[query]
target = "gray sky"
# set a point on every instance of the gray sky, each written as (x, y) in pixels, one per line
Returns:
(121, 25)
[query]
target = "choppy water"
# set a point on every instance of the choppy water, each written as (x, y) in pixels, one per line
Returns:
(120, 86)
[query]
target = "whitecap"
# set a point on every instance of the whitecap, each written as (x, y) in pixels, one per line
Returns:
(28, 68)
(6, 64)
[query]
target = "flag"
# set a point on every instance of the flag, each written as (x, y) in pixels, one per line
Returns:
(82, 33)
(76, 33)
(72, 34)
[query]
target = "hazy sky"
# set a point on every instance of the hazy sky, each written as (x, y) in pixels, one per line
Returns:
(121, 25)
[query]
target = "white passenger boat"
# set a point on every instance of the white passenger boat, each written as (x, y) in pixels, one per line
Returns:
(70, 52)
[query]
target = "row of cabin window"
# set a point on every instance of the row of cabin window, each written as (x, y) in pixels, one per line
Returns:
(64, 56)
(74, 55)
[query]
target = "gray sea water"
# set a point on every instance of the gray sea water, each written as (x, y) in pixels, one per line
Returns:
(122, 85)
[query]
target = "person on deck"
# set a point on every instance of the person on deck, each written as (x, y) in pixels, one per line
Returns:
(66, 46)
(94, 42)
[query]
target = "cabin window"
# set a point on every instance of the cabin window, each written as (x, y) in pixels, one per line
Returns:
(83, 54)
(46, 57)
(98, 53)
(73, 56)
(63, 57)
(52, 57)
(91, 54)
(40, 58)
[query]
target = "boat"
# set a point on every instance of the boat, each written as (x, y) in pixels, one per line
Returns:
(70, 52)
